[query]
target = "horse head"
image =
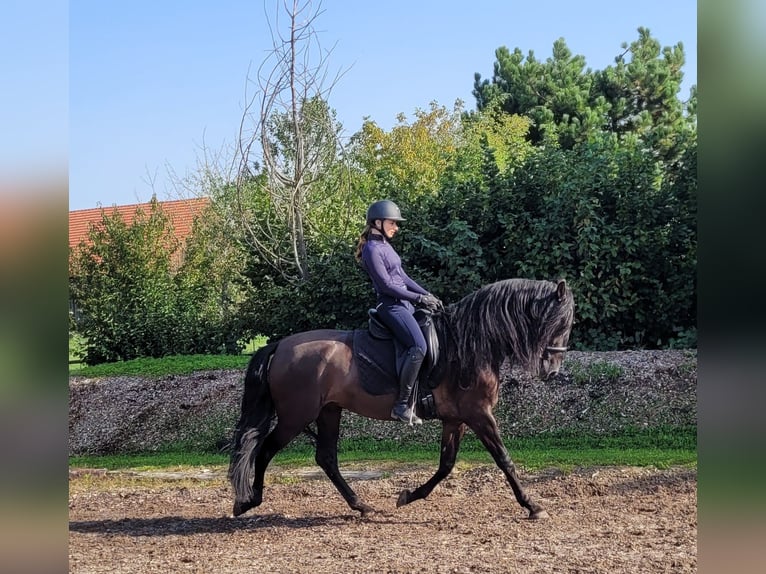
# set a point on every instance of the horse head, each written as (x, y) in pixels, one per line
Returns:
(562, 316)
(550, 361)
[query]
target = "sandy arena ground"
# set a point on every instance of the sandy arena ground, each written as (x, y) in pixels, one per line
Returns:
(602, 520)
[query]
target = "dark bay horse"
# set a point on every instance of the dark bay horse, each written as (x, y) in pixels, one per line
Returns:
(312, 376)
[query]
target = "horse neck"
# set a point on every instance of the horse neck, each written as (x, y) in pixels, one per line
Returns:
(453, 351)
(490, 331)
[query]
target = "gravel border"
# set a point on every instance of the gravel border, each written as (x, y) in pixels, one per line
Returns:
(599, 392)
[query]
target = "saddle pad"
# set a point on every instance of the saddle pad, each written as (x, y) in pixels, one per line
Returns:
(376, 362)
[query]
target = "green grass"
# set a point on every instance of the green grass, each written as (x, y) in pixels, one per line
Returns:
(598, 371)
(148, 461)
(153, 367)
(173, 365)
(661, 448)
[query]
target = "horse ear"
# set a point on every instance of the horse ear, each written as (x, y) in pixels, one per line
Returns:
(561, 289)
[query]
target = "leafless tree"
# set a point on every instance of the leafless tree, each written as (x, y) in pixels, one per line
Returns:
(288, 140)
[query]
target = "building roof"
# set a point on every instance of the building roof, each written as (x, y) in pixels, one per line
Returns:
(181, 213)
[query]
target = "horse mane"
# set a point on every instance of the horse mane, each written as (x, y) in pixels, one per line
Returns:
(514, 319)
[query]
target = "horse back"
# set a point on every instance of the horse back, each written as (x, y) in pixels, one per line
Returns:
(315, 368)
(306, 363)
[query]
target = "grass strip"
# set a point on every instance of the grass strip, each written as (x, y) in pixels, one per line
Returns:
(173, 365)
(530, 460)
(660, 448)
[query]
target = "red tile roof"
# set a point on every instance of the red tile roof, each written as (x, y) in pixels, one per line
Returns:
(181, 213)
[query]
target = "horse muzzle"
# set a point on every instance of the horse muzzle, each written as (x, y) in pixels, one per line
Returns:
(550, 362)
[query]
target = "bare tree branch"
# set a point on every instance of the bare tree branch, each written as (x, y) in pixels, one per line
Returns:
(288, 143)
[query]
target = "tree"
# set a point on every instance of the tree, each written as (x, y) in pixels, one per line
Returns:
(555, 94)
(611, 219)
(290, 155)
(642, 91)
(493, 131)
(143, 294)
(122, 283)
(211, 289)
(410, 160)
(568, 103)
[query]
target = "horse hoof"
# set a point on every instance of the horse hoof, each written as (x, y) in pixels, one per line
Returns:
(365, 510)
(538, 515)
(242, 507)
(404, 498)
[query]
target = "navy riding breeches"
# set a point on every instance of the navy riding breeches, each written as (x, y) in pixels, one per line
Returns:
(399, 318)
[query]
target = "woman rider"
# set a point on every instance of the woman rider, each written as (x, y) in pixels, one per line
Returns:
(397, 294)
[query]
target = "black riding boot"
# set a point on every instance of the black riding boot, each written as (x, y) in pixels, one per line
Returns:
(402, 410)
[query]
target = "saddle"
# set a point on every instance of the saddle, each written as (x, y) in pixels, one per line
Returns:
(380, 357)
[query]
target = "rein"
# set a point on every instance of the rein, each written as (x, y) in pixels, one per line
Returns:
(556, 349)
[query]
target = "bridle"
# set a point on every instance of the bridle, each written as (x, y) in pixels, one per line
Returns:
(551, 349)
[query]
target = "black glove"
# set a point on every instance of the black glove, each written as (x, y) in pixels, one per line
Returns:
(430, 303)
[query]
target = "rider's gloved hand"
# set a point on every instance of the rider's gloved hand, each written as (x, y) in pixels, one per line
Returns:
(430, 302)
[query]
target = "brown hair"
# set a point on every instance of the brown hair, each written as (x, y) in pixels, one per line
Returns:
(362, 240)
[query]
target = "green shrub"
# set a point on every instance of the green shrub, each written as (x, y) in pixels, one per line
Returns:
(138, 296)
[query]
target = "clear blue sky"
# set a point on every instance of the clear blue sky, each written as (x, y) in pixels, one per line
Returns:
(150, 83)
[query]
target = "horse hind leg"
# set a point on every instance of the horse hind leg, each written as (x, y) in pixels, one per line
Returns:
(452, 434)
(328, 431)
(277, 439)
(247, 450)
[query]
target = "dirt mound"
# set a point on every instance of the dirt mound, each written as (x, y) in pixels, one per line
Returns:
(596, 392)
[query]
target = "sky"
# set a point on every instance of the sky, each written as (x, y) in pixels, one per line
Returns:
(153, 86)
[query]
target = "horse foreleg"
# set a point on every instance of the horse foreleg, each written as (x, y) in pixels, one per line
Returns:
(452, 433)
(487, 431)
(328, 431)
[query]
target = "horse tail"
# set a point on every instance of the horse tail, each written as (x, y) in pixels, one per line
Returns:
(254, 423)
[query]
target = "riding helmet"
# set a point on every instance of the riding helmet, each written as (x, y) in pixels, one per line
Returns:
(384, 209)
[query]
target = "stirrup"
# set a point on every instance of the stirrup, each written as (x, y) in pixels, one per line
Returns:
(406, 416)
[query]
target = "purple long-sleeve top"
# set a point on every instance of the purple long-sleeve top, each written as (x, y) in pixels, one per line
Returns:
(384, 266)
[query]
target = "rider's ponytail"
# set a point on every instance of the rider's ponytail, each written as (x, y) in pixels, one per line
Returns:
(362, 240)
